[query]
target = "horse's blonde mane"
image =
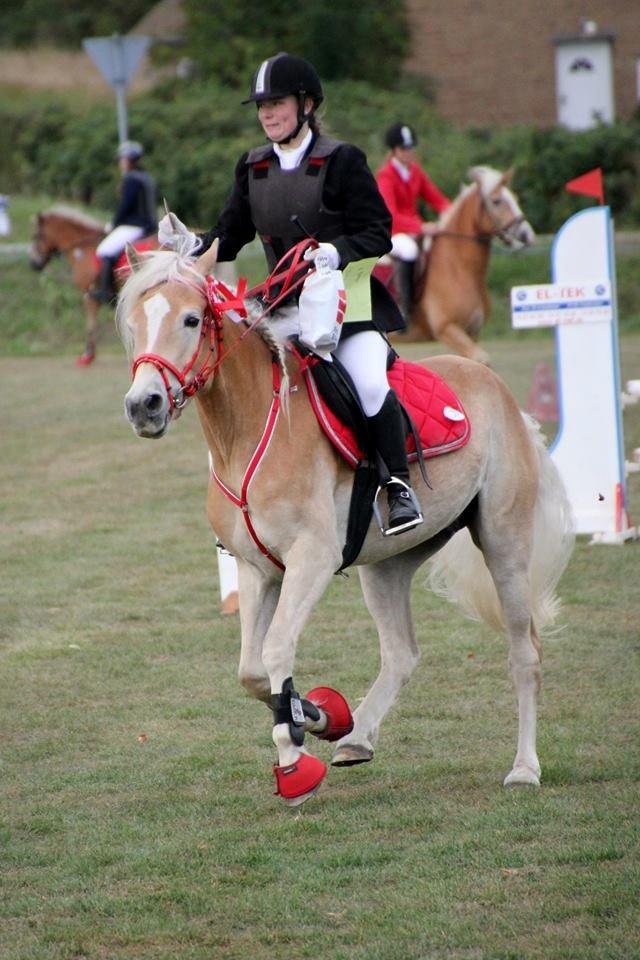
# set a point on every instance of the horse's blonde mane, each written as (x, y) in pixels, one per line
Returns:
(485, 179)
(76, 216)
(163, 266)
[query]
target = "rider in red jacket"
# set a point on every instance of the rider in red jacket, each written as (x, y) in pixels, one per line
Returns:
(402, 183)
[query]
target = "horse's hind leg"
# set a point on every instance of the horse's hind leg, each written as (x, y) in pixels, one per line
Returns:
(386, 588)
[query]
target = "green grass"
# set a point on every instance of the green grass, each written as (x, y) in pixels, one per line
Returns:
(117, 846)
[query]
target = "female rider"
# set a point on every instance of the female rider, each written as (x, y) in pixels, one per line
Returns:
(301, 184)
(402, 183)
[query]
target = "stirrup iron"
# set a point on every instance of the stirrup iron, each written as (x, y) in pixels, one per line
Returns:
(399, 528)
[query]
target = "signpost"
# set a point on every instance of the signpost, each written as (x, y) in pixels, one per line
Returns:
(117, 58)
(581, 305)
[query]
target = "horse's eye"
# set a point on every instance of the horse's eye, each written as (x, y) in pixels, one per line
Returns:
(191, 321)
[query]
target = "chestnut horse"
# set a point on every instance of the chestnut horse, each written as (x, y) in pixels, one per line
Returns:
(454, 304)
(62, 230)
(279, 500)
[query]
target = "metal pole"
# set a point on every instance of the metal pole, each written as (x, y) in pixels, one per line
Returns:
(121, 104)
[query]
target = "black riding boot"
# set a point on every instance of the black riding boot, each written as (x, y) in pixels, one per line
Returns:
(104, 291)
(388, 436)
(404, 280)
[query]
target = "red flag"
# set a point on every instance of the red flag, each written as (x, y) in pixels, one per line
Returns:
(590, 184)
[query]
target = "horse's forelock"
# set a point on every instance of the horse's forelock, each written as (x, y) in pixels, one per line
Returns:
(161, 266)
(487, 178)
(153, 268)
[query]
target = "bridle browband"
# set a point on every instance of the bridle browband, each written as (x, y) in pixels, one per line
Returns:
(59, 251)
(280, 283)
(503, 233)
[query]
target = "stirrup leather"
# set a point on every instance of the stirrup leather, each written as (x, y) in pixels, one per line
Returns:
(401, 527)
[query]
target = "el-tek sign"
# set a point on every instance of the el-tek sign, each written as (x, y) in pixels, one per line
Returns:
(557, 304)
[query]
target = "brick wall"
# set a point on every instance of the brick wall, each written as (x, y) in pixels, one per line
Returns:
(493, 61)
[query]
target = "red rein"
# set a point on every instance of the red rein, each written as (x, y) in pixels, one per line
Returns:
(221, 300)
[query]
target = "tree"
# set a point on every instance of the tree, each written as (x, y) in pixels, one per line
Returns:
(350, 40)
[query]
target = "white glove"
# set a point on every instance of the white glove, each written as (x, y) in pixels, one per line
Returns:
(173, 235)
(325, 256)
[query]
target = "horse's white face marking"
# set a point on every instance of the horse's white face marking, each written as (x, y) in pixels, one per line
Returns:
(155, 308)
(512, 202)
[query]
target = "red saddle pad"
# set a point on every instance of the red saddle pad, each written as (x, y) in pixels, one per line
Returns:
(122, 265)
(438, 415)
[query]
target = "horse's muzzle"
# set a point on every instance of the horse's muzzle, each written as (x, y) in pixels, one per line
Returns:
(37, 263)
(148, 413)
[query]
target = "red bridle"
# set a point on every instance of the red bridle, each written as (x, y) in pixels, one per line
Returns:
(221, 300)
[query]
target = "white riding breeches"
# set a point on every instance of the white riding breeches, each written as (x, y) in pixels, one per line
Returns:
(364, 356)
(115, 242)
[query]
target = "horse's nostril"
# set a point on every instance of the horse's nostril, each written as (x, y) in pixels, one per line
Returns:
(153, 402)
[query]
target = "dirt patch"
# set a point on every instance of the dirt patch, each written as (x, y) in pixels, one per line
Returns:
(50, 69)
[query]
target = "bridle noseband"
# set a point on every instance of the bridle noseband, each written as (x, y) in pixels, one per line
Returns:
(504, 233)
(219, 299)
(279, 285)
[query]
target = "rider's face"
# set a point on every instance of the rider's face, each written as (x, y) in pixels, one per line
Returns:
(405, 155)
(278, 118)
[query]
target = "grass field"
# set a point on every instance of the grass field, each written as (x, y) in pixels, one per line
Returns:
(137, 818)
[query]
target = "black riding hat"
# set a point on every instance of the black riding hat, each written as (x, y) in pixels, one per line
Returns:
(282, 75)
(400, 135)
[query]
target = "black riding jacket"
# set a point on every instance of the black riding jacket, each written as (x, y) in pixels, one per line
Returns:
(349, 190)
(349, 187)
(137, 207)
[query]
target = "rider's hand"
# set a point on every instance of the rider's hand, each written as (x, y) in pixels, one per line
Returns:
(325, 256)
(429, 229)
(173, 235)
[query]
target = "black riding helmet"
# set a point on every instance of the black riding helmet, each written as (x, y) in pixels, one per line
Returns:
(400, 135)
(283, 75)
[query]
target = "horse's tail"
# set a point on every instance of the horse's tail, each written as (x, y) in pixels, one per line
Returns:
(458, 571)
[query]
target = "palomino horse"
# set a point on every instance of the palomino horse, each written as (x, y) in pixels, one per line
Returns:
(62, 230)
(280, 500)
(455, 303)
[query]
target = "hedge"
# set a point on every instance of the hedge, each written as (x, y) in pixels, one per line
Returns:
(194, 135)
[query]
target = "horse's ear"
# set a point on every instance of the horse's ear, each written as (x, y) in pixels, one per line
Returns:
(207, 261)
(475, 175)
(507, 176)
(133, 257)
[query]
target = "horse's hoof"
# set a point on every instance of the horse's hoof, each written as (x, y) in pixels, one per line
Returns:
(85, 358)
(336, 710)
(522, 776)
(350, 754)
(296, 782)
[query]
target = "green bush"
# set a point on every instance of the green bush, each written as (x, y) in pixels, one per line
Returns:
(194, 135)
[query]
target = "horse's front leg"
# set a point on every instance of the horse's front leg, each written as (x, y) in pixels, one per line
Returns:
(310, 566)
(259, 597)
(91, 308)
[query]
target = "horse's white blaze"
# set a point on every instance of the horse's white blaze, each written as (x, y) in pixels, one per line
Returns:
(511, 200)
(155, 308)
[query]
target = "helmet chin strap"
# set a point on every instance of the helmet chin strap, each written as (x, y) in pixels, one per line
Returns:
(302, 119)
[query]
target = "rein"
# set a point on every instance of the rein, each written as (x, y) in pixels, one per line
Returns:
(59, 251)
(221, 300)
(503, 233)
